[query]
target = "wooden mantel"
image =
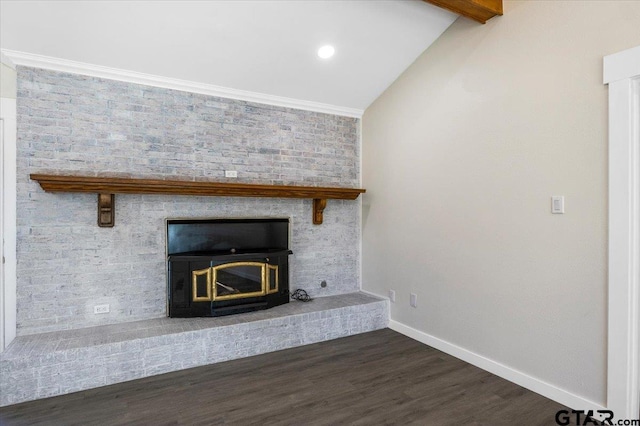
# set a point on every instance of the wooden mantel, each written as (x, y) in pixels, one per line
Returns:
(107, 187)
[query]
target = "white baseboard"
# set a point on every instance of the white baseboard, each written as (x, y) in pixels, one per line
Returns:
(533, 384)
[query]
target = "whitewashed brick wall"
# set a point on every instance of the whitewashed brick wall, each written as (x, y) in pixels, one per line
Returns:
(71, 123)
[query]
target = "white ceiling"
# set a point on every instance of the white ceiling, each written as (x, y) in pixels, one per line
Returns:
(267, 47)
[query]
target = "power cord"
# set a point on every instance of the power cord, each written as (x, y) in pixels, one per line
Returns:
(301, 295)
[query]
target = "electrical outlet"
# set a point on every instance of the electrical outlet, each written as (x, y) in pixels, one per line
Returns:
(231, 173)
(413, 300)
(101, 309)
(392, 296)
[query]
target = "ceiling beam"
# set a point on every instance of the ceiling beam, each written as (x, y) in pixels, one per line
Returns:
(478, 10)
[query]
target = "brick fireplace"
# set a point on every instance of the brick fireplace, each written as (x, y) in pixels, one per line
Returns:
(72, 123)
(67, 265)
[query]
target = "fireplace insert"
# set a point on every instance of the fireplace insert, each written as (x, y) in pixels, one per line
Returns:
(226, 266)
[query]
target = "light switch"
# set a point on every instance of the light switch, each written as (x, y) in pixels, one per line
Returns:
(557, 204)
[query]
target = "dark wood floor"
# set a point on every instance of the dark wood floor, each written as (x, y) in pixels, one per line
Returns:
(375, 378)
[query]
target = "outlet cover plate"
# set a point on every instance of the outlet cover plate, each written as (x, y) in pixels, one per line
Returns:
(557, 204)
(413, 300)
(101, 309)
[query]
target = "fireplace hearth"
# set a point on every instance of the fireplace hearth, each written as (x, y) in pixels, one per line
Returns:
(226, 266)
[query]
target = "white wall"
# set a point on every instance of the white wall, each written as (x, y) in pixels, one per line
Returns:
(460, 158)
(7, 80)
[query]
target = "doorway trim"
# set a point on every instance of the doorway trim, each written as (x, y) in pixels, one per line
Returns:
(8, 210)
(622, 74)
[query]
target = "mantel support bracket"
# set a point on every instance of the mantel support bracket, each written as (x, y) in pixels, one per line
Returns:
(106, 210)
(319, 205)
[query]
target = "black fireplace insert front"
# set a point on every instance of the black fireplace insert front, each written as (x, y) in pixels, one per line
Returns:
(226, 266)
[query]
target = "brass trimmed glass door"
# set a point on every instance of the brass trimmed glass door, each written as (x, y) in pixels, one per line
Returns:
(234, 280)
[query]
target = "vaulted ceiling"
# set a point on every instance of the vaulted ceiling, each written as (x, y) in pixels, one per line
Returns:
(254, 47)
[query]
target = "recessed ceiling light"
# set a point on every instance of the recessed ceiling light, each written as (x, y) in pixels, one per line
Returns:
(326, 52)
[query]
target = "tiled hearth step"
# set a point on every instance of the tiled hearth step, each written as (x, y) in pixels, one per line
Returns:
(49, 364)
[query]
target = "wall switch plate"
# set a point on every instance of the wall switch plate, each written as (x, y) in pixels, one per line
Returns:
(557, 204)
(231, 173)
(413, 300)
(392, 295)
(101, 309)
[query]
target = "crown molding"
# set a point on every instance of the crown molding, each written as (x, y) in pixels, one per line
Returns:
(64, 65)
